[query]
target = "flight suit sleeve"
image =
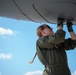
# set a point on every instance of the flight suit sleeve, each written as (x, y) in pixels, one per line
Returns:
(69, 44)
(48, 41)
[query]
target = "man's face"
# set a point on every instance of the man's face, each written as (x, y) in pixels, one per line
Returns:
(47, 31)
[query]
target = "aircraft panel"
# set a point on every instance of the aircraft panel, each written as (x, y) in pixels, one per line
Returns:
(65, 10)
(42, 11)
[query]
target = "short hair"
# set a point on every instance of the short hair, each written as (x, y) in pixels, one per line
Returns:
(40, 28)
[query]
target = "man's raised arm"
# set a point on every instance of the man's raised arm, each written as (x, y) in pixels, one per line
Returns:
(70, 30)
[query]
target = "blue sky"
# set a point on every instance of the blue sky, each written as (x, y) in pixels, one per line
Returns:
(18, 46)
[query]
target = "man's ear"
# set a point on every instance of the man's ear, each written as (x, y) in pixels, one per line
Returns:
(42, 32)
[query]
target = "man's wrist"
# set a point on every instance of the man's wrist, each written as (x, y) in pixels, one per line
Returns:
(60, 27)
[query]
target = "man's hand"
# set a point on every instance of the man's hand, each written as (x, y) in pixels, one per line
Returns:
(60, 23)
(70, 29)
(69, 26)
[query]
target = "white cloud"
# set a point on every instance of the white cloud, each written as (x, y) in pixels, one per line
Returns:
(40, 73)
(34, 73)
(4, 31)
(74, 73)
(5, 56)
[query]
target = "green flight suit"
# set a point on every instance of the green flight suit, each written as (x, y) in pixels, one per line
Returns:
(51, 52)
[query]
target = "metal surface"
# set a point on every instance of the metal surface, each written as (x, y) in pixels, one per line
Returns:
(42, 11)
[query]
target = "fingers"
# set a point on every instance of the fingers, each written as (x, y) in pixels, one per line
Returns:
(69, 26)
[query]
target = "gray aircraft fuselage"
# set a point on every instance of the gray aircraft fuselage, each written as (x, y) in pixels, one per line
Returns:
(41, 11)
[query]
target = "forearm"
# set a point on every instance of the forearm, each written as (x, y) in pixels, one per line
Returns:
(73, 36)
(59, 36)
(69, 44)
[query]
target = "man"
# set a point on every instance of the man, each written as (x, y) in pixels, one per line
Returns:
(51, 48)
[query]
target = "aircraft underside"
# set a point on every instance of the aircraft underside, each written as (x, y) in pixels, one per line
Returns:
(41, 11)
